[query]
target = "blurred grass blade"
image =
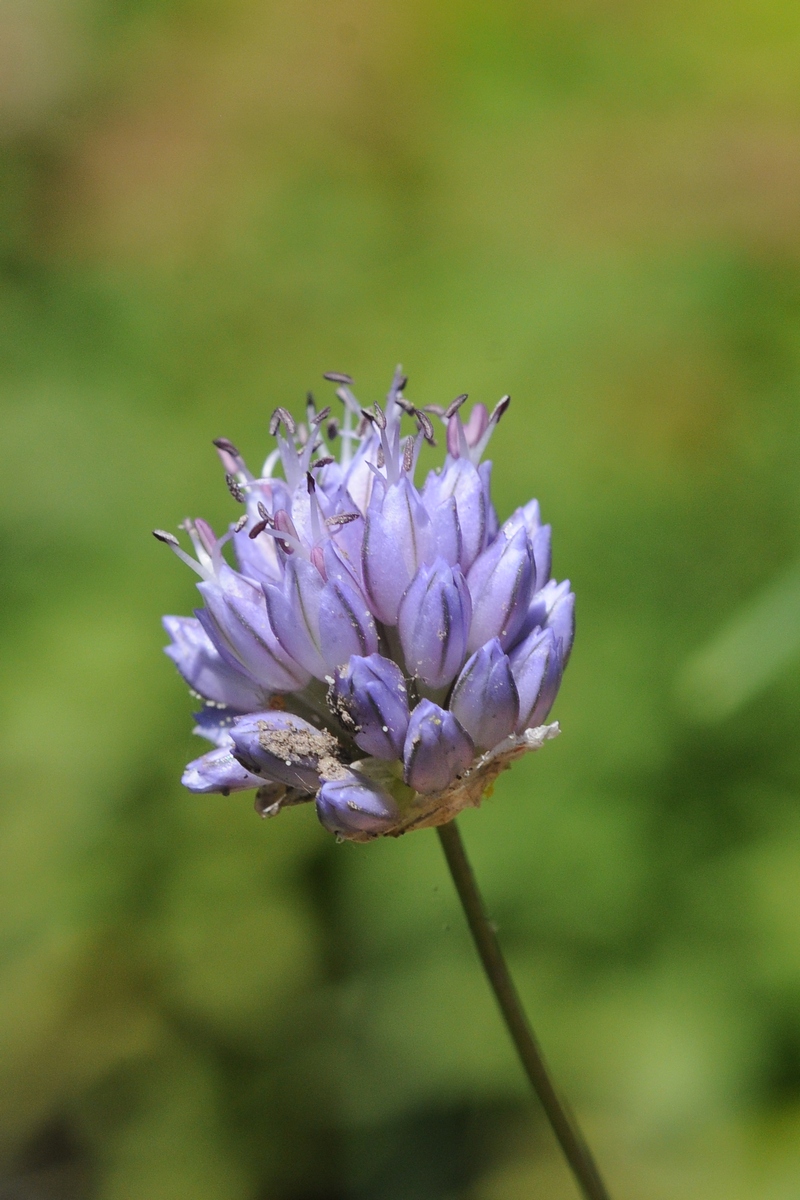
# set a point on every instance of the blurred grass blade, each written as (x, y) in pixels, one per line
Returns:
(747, 655)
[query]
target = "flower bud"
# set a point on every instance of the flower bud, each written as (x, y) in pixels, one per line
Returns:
(433, 623)
(284, 748)
(218, 771)
(369, 696)
(500, 582)
(485, 699)
(552, 607)
(355, 804)
(436, 750)
(536, 664)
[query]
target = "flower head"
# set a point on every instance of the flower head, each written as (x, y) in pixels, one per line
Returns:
(382, 648)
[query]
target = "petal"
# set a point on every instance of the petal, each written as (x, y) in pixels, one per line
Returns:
(206, 672)
(218, 771)
(346, 626)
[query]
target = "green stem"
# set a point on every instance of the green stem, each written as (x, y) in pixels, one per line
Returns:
(563, 1123)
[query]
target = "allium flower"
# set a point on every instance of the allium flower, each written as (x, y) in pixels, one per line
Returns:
(384, 649)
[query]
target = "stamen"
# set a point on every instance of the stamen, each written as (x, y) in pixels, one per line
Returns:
(240, 524)
(311, 483)
(320, 417)
(455, 405)
(234, 488)
(401, 382)
(322, 462)
(381, 456)
(342, 519)
(406, 405)
(170, 540)
(332, 429)
(227, 446)
(311, 407)
(264, 514)
(338, 377)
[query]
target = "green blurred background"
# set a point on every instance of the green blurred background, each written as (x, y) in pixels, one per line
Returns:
(593, 205)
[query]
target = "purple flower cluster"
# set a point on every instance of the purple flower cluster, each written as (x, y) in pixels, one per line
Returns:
(384, 648)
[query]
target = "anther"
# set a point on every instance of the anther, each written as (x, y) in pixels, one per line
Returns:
(338, 377)
(240, 524)
(311, 483)
(406, 405)
(426, 426)
(234, 489)
(342, 519)
(401, 383)
(318, 463)
(227, 446)
(455, 405)
(168, 538)
(380, 416)
(332, 429)
(262, 512)
(368, 416)
(408, 454)
(500, 408)
(320, 417)
(259, 528)
(282, 414)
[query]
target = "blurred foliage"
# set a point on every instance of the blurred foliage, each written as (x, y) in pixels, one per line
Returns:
(594, 206)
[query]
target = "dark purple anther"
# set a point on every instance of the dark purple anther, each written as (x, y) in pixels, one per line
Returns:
(369, 696)
(433, 623)
(485, 700)
(437, 749)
